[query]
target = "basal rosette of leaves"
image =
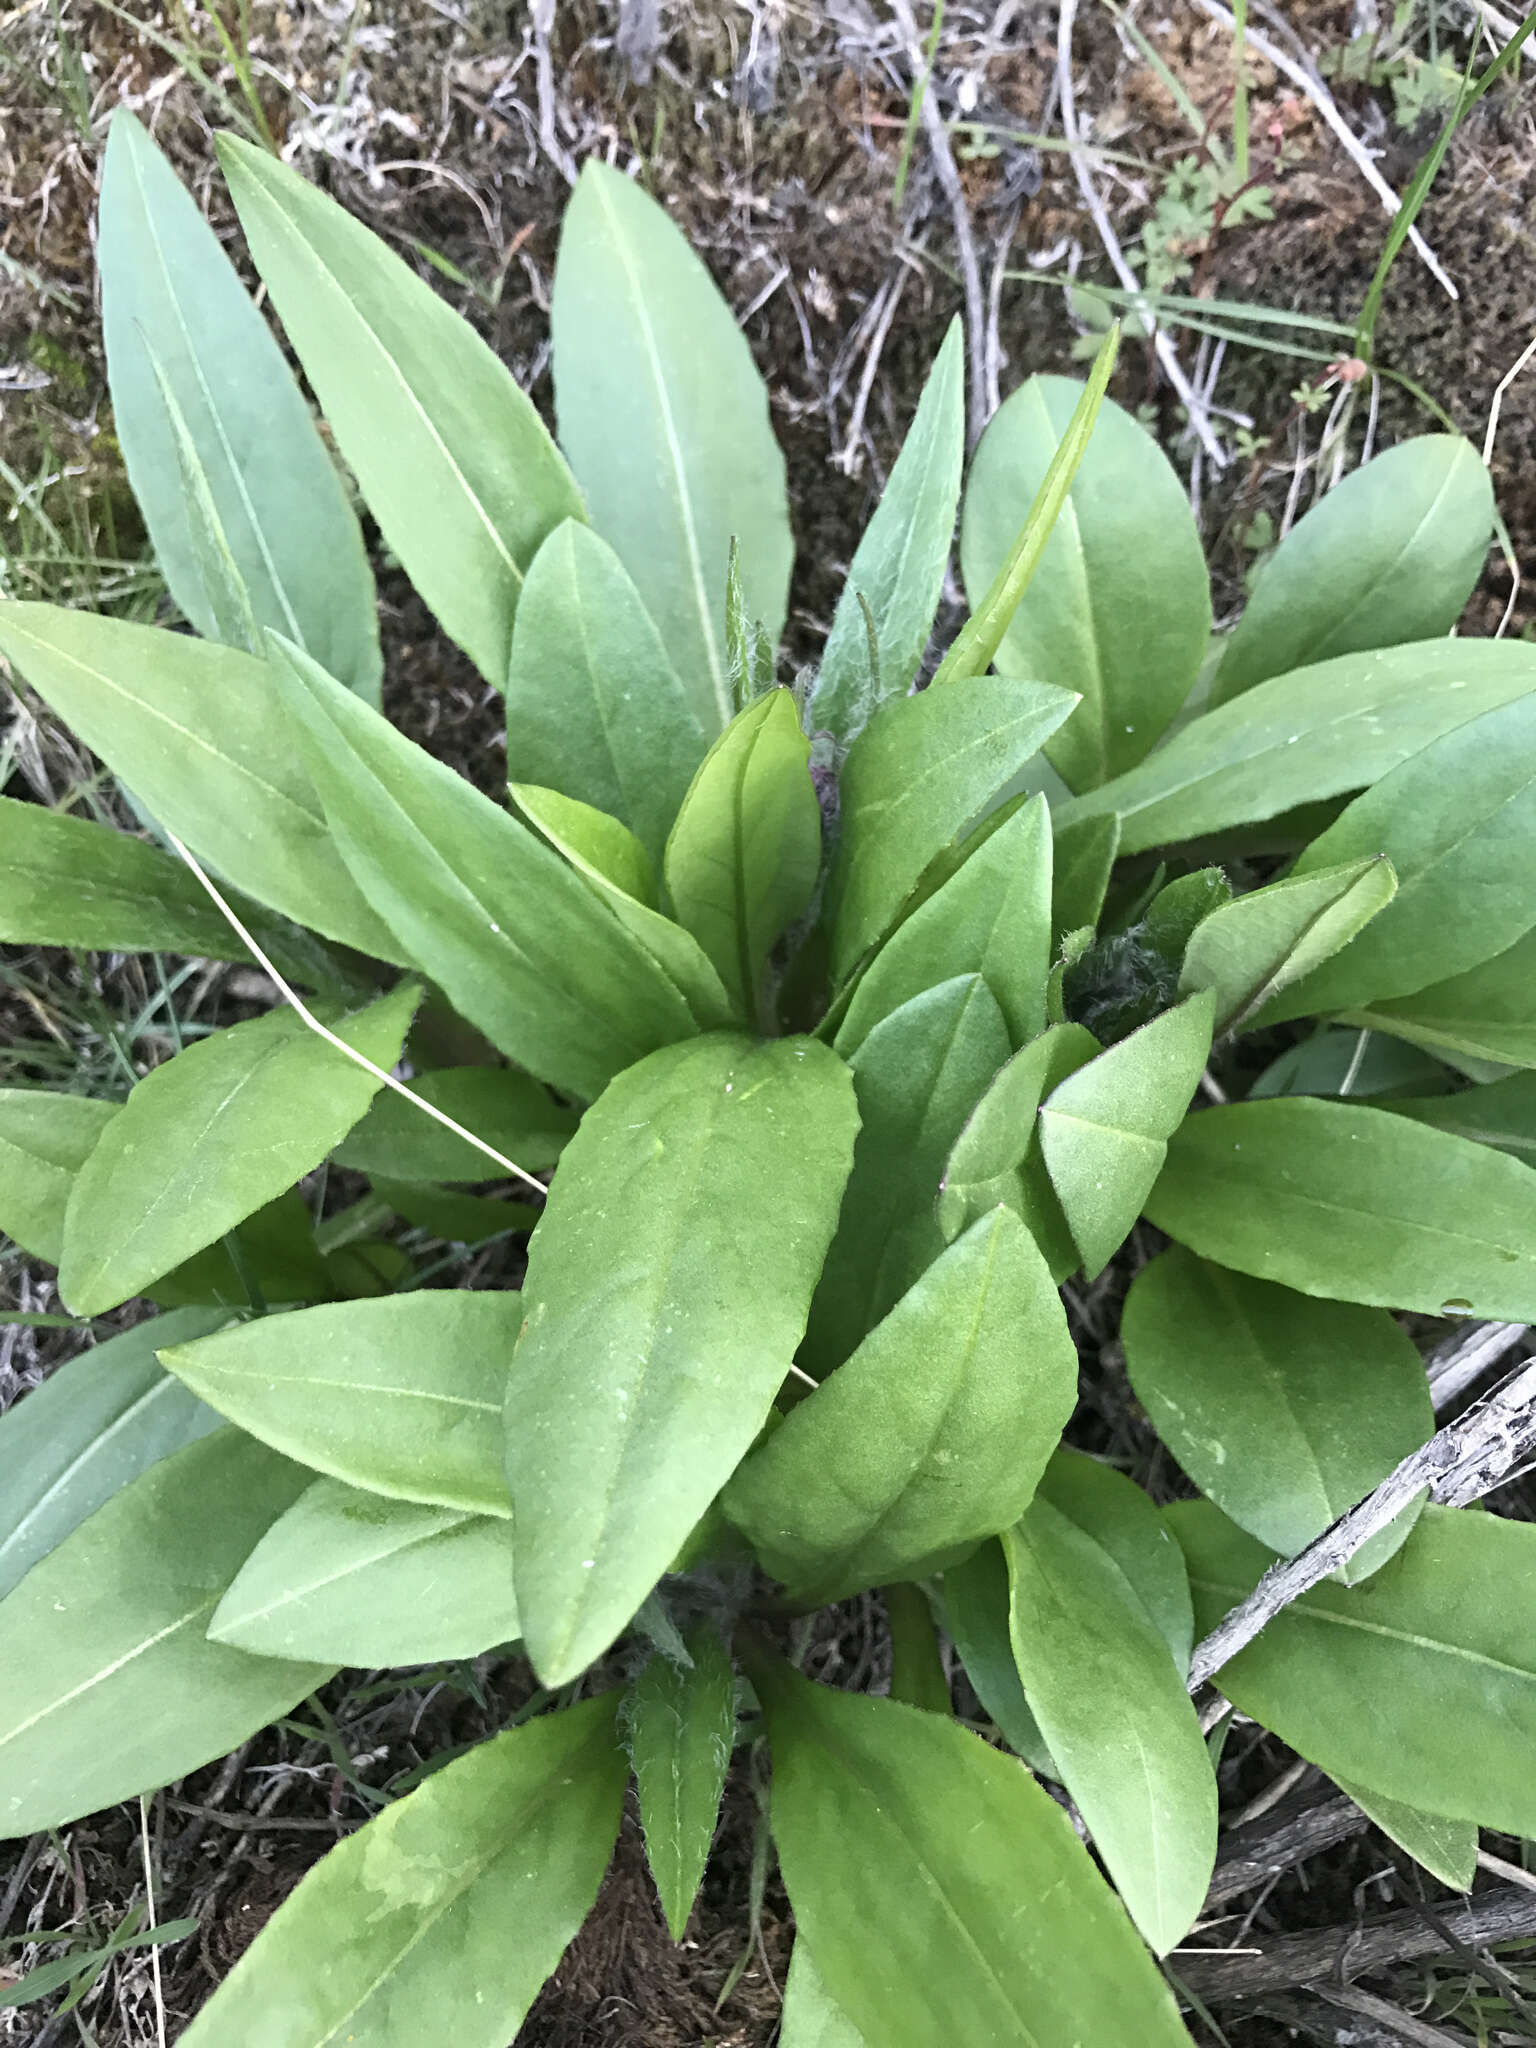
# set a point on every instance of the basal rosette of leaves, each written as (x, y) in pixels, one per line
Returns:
(835, 1096)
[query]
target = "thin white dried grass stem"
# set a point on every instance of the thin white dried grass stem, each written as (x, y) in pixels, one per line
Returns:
(1494, 410)
(149, 1921)
(296, 1002)
(1455, 1367)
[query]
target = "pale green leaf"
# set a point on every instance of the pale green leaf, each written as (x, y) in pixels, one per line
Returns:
(1084, 858)
(1485, 1014)
(976, 1612)
(810, 2018)
(1447, 1849)
(997, 1156)
(1501, 1113)
(45, 1139)
(1127, 1528)
(507, 1109)
(1251, 951)
(680, 1720)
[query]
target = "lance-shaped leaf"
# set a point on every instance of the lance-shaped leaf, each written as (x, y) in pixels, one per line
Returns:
(917, 1074)
(195, 373)
(1103, 1130)
(743, 855)
(1485, 1014)
(1084, 857)
(594, 707)
(441, 1918)
(213, 1135)
(885, 613)
(892, 1818)
(508, 1110)
(681, 1723)
(1391, 554)
(1420, 1684)
(1119, 609)
(1314, 733)
(400, 1396)
(1501, 1113)
(1446, 1848)
(665, 419)
(457, 1218)
(353, 1578)
(1112, 1704)
(1458, 822)
(1251, 950)
(45, 1139)
(997, 1156)
(811, 2018)
(663, 1305)
(95, 1423)
(1286, 1411)
(932, 1435)
(976, 1612)
(991, 917)
(519, 944)
(1120, 1519)
(924, 769)
(200, 735)
(108, 1684)
(619, 869)
(1336, 1199)
(454, 462)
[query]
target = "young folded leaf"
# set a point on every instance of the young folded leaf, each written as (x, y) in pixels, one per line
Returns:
(519, 944)
(1251, 950)
(1285, 1410)
(211, 1136)
(1119, 609)
(441, 1918)
(1341, 1200)
(200, 735)
(108, 1685)
(931, 1436)
(1446, 1848)
(594, 707)
(885, 613)
(890, 1818)
(1420, 1684)
(665, 420)
(94, 1424)
(1458, 822)
(506, 1109)
(917, 1074)
(454, 462)
(997, 1156)
(920, 773)
(1390, 555)
(1484, 1014)
(400, 1396)
(680, 1720)
(353, 1578)
(194, 371)
(1112, 1704)
(743, 855)
(1314, 733)
(631, 1402)
(45, 1139)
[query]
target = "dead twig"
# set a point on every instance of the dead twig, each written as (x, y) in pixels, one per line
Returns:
(1466, 1357)
(1257, 1855)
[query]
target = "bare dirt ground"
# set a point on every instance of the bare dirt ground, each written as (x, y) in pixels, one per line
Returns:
(774, 130)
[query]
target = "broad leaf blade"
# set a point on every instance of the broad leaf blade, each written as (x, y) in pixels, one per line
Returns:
(441, 1918)
(45, 1139)
(665, 420)
(1501, 1113)
(1485, 1014)
(1122, 1521)
(454, 462)
(108, 1685)
(1251, 950)
(659, 1323)
(681, 1724)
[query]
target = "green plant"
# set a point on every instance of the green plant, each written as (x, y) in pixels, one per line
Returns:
(836, 1093)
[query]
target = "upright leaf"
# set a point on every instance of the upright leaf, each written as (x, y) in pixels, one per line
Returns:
(1112, 1704)
(200, 735)
(885, 613)
(1419, 1685)
(918, 1074)
(400, 1396)
(922, 770)
(441, 1918)
(94, 1424)
(519, 944)
(1285, 1410)
(929, 1439)
(507, 1109)
(681, 1724)
(1119, 609)
(187, 350)
(665, 420)
(353, 1578)
(453, 460)
(1485, 1014)
(1314, 733)
(1341, 1200)
(1251, 951)
(211, 1136)
(108, 1684)
(1501, 1113)
(45, 1139)
(743, 856)
(1391, 554)
(594, 707)
(892, 1818)
(661, 1318)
